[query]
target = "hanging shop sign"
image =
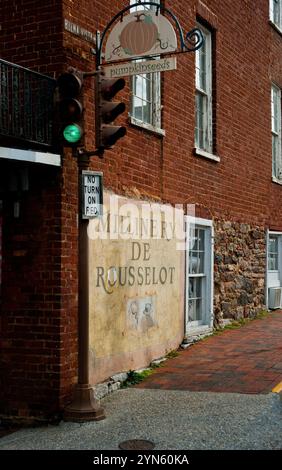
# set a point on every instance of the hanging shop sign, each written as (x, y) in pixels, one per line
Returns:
(153, 33)
(142, 33)
(152, 30)
(92, 194)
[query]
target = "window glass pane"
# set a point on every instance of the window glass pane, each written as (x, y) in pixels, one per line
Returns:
(277, 12)
(198, 287)
(201, 240)
(138, 87)
(193, 262)
(197, 59)
(195, 304)
(192, 239)
(203, 125)
(276, 131)
(201, 263)
(147, 113)
(201, 65)
(273, 245)
(199, 310)
(273, 253)
(275, 110)
(273, 263)
(275, 154)
(192, 310)
(200, 112)
(192, 291)
(138, 108)
(146, 87)
(197, 274)
(196, 262)
(196, 251)
(203, 69)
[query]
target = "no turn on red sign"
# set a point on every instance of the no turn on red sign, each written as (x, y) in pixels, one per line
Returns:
(92, 194)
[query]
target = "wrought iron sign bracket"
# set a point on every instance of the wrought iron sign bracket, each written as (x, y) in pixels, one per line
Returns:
(189, 42)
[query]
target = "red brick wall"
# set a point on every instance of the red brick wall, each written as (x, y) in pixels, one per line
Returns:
(31, 34)
(247, 58)
(31, 308)
(39, 310)
(33, 319)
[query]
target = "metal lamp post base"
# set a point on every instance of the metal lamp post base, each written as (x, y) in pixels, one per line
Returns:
(84, 406)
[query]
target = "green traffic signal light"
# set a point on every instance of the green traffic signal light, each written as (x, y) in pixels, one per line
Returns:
(70, 108)
(72, 133)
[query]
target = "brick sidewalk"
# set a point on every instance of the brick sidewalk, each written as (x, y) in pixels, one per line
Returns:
(245, 360)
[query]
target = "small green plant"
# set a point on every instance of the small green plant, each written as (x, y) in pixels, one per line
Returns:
(156, 366)
(135, 378)
(172, 354)
(242, 321)
(239, 323)
(262, 314)
(236, 324)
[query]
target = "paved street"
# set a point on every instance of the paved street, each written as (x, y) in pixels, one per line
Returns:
(171, 419)
(190, 402)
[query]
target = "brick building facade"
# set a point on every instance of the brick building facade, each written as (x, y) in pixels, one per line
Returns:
(228, 176)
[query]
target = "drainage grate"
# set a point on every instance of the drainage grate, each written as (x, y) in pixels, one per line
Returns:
(136, 444)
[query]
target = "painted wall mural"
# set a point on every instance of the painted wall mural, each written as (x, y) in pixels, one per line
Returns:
(136, 297)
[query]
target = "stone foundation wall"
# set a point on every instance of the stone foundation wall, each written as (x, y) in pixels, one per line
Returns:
(239, 270)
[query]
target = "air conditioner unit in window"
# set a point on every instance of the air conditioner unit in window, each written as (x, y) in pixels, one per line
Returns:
(274, 297)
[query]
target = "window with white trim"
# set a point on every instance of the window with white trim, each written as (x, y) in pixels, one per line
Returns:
(146, 92)
(199, 274)
(203, 125)
(276, 132)
(273, 253)
(275, 11)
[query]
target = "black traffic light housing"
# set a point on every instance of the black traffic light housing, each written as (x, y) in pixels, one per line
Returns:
(107, 111)
(70, 108)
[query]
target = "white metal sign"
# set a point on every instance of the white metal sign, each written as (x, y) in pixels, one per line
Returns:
(92, 194)
(137, 68)
(142, 33)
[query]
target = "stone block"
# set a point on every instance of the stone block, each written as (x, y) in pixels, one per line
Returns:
(114, 386)
(226, 308)
(122, 377)
(101, 390)
(157, 362)
(243, 298)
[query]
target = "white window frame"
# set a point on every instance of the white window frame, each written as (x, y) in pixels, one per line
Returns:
(275, 13)
(153, 80)
(206, 147)
(276, 133)
(192, 328)
(273, 278)
(274, 254)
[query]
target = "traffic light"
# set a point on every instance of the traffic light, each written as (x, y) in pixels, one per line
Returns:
(70, 108)
(107, 111)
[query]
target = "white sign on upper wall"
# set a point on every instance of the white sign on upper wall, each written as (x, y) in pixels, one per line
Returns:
(142, 33)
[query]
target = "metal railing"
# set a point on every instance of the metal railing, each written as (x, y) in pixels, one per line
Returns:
(26, 105)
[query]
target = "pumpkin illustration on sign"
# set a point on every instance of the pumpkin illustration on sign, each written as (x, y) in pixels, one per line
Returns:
(139, 36)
